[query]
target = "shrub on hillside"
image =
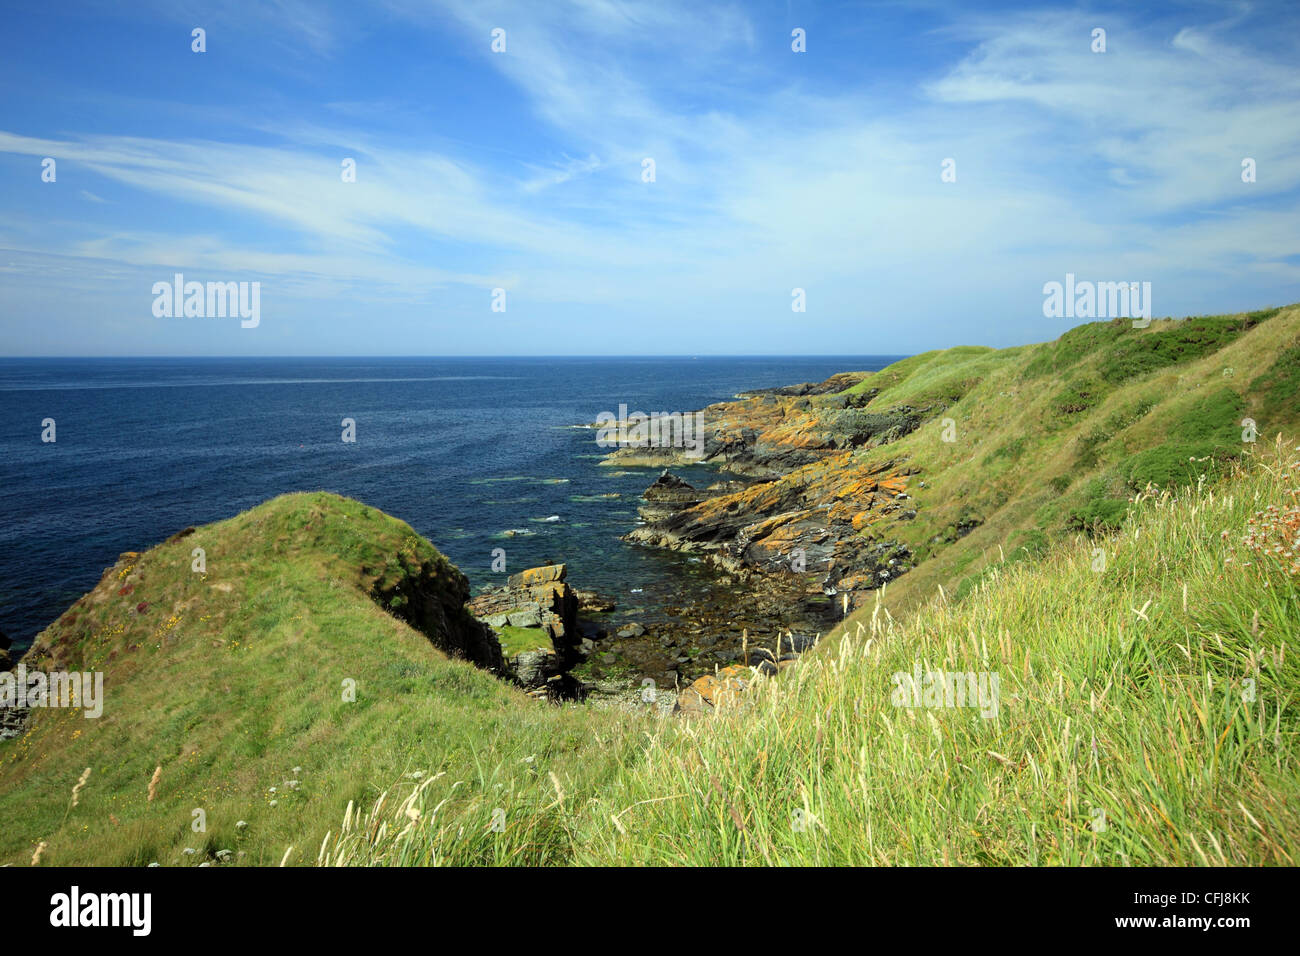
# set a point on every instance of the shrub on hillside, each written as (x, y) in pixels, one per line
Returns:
(1188, 340)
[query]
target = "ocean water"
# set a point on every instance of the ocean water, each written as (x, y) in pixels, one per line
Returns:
(462, 449)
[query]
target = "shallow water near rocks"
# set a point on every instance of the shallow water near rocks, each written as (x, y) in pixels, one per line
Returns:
(463, 449)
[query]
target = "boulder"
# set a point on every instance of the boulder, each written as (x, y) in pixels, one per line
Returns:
(533, 668)
(530, 615)
(596, 603)
(711, 691)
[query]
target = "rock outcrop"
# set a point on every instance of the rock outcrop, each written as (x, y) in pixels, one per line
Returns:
(824, 527)
(712, 691)
(805, 505)
(772, 432)
(13, 720)
(537, 599)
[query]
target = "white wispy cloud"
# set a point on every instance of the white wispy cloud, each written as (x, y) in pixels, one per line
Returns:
(1124, 164)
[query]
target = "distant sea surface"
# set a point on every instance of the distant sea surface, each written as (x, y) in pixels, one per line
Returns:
(464, 450)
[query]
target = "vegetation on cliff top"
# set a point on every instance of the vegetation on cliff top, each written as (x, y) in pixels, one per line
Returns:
(1053, 439)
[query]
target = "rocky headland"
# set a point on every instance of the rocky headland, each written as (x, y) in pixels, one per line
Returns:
(798, 527)
(795, 501)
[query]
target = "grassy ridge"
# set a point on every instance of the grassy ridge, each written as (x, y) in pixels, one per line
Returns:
(1053, 439)
(231, 683)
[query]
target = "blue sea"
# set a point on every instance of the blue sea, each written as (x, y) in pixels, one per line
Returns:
(463, 449)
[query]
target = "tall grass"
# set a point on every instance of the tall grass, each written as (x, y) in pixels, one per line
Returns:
(1147, 716)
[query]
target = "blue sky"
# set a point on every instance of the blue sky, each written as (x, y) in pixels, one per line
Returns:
(522, 170)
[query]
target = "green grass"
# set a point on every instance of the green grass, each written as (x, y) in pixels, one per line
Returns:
(1183, 342)
(1078, 396)
(1147, 716)
(232, 679)
(1100, 512)
(1122, 354)
(1281, 383)
(517, 639)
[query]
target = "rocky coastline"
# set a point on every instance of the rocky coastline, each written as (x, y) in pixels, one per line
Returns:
(795, 532)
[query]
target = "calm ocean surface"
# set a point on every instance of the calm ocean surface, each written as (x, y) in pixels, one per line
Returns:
(462, 449)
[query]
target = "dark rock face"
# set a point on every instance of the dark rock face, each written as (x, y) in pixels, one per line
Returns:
(534, 668)
(805, 530)
(669, 495)
(431, 598)
(852, 428)
(13, 720)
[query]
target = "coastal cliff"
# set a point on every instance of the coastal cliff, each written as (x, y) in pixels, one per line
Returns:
(939, 467)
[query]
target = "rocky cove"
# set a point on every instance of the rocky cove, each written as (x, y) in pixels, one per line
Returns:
(785, 526)
(794, 532)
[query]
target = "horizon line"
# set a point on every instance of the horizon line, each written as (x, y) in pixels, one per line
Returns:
(829, 355)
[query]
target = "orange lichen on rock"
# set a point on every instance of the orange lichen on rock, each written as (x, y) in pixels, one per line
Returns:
(714, 690)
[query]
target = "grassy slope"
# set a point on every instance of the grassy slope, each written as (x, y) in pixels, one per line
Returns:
(1053, 437)
(229, 681)
(1126, 732)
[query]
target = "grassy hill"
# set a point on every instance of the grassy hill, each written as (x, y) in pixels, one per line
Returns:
(1147, 716)
(1053, 439)
(1143, 638)
(230, 683)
